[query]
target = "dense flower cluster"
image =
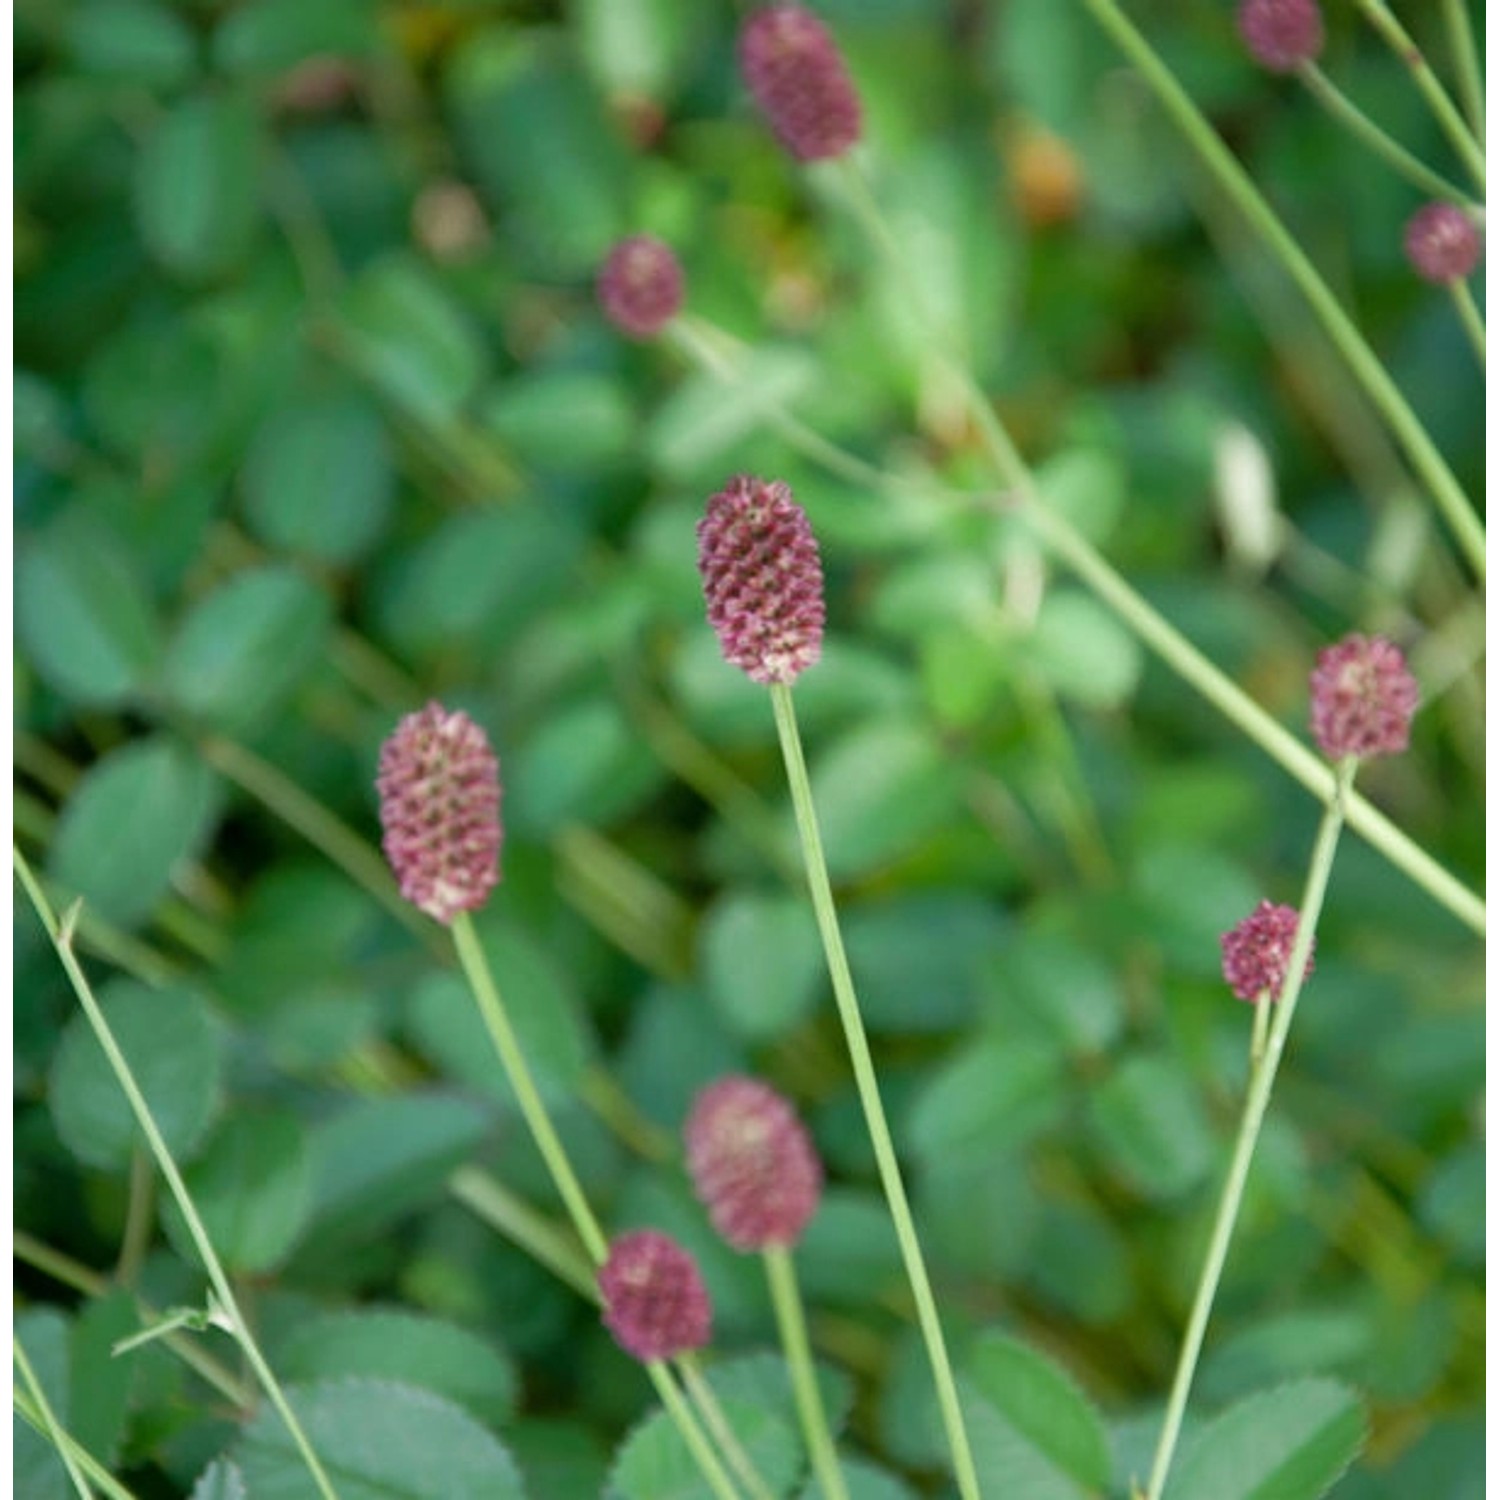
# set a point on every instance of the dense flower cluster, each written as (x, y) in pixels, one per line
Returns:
(655, 1303)
(794, 69)
(752, 1163)
(439, 786)
(640, 286)
(1281, 34)
(1442, 243)
(1363, 698)
(762, 579)
(1258, 950)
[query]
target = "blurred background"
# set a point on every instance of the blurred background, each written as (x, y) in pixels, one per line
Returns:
(316, 418)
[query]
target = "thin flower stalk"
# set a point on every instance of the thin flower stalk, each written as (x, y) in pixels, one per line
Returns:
(1466, 63)
(67, 1445)
(1468, 315)
(51, 1428)
(61, 937)
(1467, 529)
(1257, 1098)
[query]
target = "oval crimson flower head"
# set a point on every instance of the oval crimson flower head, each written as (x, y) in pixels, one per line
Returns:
(1281, 34)
(1257, 951)
(1442, 243)
(752, 1163)
(794, 69)
(1363, 698)
(762, 579)
(655, 1303)
(640, 286)
(439, 786)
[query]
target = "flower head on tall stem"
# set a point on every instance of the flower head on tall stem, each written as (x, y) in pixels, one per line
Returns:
(640, 286)
(1281, 35)
(439, 785)
(1363, 698)
(794, 69)
(1257, 951)
(1442, 243)
(655, 1302)
(752, 1163)
(762, 579)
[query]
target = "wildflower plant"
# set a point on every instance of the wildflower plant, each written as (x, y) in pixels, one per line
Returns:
(747, 747)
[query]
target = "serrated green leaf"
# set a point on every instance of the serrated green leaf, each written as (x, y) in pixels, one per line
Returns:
(175, 1049)
(1288, 1443)
(1151, 1126)
(99, 1385)
(762, 961)
(221, 1480)
(378, 1441)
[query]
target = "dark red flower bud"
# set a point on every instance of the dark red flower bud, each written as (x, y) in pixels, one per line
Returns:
(1281, 34)
(1442, 243)
(1363, 698)
(655, 1303)
(640, 286)
(1258, 950)
(793, 67)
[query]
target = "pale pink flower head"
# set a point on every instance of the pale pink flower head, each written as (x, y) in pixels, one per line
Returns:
(1258, 950)
(640, 286)
(1281, 34)
(1442, 243)
(796, 73)
(1363, 698)
(439, 786)
(655, 1303)
(762, 579)
(752, 1163)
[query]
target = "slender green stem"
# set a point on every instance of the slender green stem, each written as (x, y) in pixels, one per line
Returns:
(1260, 1030)
(1257, 1097)
(1466, 63)
(1355, 120)
(492, 1010)
(520, 1223)
(97, 1474)
(1399, 41)
(218, 1279)
(781, 1273)
(51, 1427)
(139, 1215)
(692, 1434)
(869, 1089)
(701, 1394)
(1468, 314)
(1446, 491)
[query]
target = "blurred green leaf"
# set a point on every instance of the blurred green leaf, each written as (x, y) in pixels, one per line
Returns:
(763, 962)
(1083, 650)
(221, 1480)
(174, 1047)
(36, 1469)
(990, 1096)
(1451, 1203)
(1060, 984)
(100, 1384)
(563, 421)
(863, 1481)
(1150, 1125)
(270, 36)
(849, 1254)
(132, 42)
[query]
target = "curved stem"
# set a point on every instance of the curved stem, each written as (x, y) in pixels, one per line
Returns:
(61, 936)
(1257, 1097)
(1354, 119)
(1468, 315)
(869, 1089)
(51, 1427)
(1429, 464)
(787, 1302)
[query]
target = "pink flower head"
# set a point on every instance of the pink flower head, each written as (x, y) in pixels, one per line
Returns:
(439, 786)
(1258, 950)
(1363, 698)
(1442, 243)
(640, 286)
(1281, 34)
(793, 67)
(752, 1163)
(762, 579)
(655, 1303)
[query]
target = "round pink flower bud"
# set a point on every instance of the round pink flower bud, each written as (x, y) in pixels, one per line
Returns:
(762, 579)
(794, 69)
(1363, 698)
(439, 786)
(640, 286)
(1442, 243)
(1281, 34)
(655, 1303)
(752, 1163)
(1258, 950)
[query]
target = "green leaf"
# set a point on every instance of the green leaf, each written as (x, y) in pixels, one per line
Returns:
(221, 1480)
(83, 613)
(319, 479)
(849, 1254)
(378, 1441)
(132, 41)
(762, 961)
(990, 1095)
(1451, 1203)
(271, 36)
(418, 1351)
(561, 1458)
(408, 337)
(173, 1045)
(1150, 1124)
(563, 421)
(132, 820)
(36, 1470)
(633, 47)
(1191, 894)
(245, 648)
(197, 186)
(1083, 651)
(1063, 985)
(253, 1189)
(863, 1481)
(1048, 1419)
(99, 1384)
(1288, 1443)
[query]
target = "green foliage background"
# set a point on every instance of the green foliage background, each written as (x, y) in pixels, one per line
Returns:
(316, 418)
